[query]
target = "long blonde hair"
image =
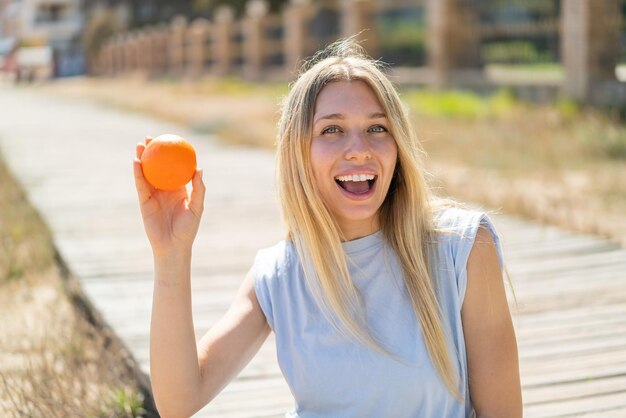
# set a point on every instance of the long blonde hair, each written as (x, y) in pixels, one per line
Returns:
(406, 215)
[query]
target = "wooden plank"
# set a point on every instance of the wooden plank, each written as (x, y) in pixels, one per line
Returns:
(564, 371)
(537, 379)
(613, 412)
(570, 334)
(596, 404)
(574, 390)
(543, 331)
(572, 348)
(580, 313)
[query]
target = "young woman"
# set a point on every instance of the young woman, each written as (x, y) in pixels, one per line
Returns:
(384, 301)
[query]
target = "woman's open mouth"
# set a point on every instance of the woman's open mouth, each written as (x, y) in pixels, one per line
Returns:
(358, 184)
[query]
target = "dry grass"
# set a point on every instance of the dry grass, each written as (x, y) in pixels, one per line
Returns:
(537, 164)
(552, 163)
(57, 358)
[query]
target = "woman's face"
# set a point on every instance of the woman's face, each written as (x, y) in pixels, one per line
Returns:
(353, 155)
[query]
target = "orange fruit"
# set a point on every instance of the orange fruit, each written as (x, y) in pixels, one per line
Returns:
(168, 162)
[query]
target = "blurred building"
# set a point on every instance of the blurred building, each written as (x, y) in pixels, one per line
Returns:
(38, 30)
(8, 18)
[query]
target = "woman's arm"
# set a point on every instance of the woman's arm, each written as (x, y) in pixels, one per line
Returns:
(229, 345)
(492, 358)
(185, 378)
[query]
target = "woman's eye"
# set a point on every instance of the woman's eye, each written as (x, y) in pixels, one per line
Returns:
(378, 129)
(330, 130)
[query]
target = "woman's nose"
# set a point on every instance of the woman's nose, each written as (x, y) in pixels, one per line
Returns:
(357, 147)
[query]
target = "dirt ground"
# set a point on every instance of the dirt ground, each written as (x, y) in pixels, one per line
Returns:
(58, 357)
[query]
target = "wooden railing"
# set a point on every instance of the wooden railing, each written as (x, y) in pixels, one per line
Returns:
(262, 45)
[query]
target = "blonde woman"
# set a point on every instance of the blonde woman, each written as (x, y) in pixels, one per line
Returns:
(383, 302)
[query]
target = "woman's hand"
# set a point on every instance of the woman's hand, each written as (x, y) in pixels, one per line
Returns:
(171, 218)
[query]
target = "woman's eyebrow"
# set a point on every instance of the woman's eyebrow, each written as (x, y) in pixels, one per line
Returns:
(330, 116)
(333, 116)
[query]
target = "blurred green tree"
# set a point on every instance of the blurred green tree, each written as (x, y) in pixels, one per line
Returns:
(239, 6)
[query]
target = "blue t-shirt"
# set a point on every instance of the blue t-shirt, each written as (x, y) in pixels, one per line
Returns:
(331, 375)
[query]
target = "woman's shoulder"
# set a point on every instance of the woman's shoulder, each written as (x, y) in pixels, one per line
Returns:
(458, 220)
(458, 225)
(274, 269)
(271, 261)
(456, 228)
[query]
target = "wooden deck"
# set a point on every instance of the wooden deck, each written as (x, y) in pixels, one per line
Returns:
(74, 160)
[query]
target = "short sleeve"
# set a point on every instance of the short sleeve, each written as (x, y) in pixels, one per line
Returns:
(262, 277)
(267, 267)
(460, 227)
(469, 230)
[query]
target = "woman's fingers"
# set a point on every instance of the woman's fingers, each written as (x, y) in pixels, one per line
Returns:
(141, 146)
(196, 200)
(144, 190)
(139, 149)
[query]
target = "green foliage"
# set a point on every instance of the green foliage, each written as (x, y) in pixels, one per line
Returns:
(239, 6)
(15, 272)
(567, 108)
(552, 69)
(12, 241)
(126, 403)
(403, 42)
(460, 104)
(402, 34)
(502, 103)
(535, 7)
(613, 143)
(233, 86)
(513, 52)
(236, 86)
